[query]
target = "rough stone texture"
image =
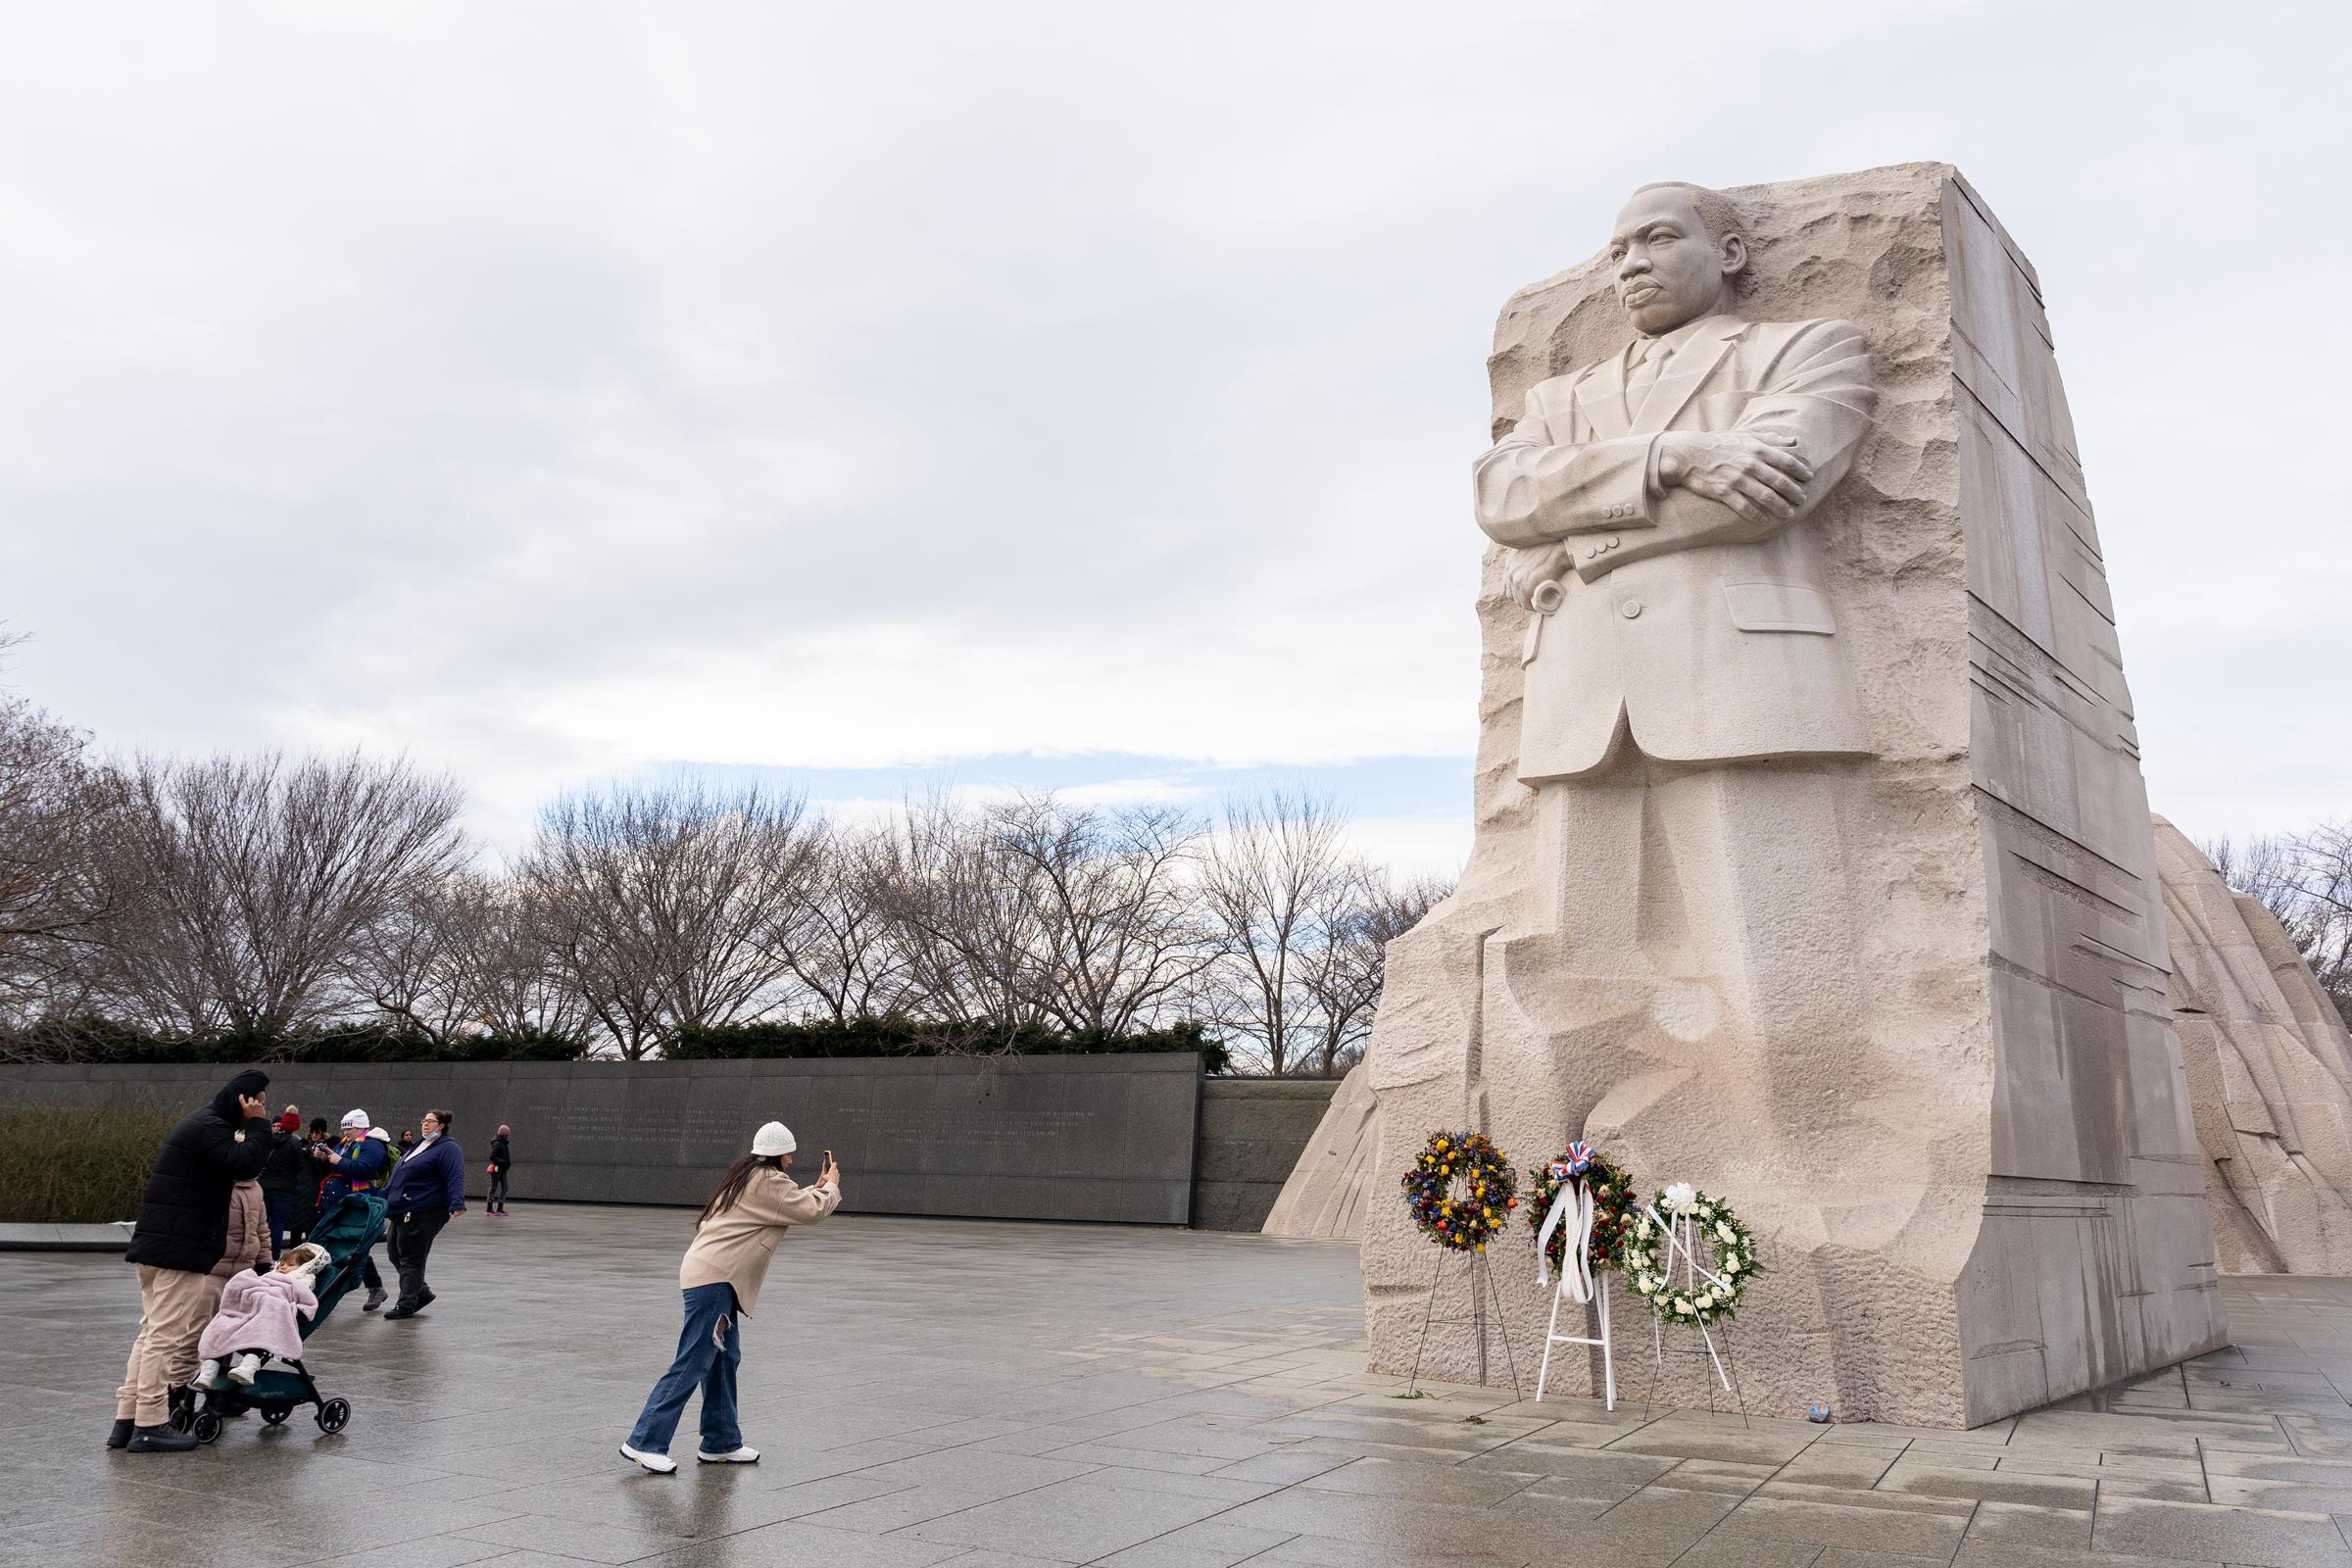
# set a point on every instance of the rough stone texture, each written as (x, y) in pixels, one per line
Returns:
(1251, 1132)
(1982, 1193)
(2269, 1075)
(2270, 1072)
(1324, 1196)
(1068, 1138)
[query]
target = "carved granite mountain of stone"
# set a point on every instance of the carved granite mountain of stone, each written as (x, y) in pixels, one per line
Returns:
(2269, 1075)
(1962, 1127)
(2269, 1078)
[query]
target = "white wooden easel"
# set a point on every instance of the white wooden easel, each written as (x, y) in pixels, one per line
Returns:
(1576, 1286)
(1608, 1349)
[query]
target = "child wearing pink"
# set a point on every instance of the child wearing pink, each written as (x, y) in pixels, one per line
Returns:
(259, 1316)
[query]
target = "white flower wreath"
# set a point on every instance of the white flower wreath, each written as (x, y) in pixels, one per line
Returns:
(1706, 1291)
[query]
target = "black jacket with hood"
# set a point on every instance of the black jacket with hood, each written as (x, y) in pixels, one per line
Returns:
(183, 1221)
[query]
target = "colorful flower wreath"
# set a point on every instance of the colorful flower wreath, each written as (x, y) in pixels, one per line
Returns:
(1614, 1205)
(1461, 1190)
(1650, 1269)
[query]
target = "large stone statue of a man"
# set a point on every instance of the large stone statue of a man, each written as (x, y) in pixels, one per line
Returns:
(1810, 863)
(1654, 502)
(1685, 982)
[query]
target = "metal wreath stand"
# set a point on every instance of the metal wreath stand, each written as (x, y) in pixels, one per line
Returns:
(1481, 1273)
(1679, 1242)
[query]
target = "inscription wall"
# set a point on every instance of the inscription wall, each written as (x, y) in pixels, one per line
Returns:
(1067, 1137)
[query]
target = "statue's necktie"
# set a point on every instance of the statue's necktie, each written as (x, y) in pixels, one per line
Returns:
(1646, 372)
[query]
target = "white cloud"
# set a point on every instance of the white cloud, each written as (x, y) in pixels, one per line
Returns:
(550, 391)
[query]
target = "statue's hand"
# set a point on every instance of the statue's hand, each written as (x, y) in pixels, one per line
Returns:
(1530, 569)
(1759, 476)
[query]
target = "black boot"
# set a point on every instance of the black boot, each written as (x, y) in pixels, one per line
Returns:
(162, 1440)
(121, 1436)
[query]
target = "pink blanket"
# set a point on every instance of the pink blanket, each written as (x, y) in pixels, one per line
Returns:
(257, 1314)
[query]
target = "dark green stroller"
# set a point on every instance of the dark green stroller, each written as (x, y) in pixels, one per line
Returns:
(347, 1231)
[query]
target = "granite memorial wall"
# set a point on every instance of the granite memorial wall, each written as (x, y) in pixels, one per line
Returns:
(1110, 1139)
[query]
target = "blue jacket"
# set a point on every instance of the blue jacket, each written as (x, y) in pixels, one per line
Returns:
(365, 1161)
(431, 1179)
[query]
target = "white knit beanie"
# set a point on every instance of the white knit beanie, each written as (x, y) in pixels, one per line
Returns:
(355, 1119)
(774, 1138)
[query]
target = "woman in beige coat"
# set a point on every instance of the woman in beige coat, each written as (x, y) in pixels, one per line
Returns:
(755, 1204)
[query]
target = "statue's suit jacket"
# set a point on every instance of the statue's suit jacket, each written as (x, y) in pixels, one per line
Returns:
(1711, 637)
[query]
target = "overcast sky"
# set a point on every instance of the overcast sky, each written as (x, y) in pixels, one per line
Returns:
(1071, 395)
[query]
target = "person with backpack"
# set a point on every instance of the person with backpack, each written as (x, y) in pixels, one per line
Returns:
(182, 1232)
(356, 1165)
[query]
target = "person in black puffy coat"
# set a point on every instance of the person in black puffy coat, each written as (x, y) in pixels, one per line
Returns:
(182, 1231)
(283, 1178)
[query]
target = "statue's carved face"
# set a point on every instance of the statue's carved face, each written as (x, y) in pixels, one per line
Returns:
(1668, 270)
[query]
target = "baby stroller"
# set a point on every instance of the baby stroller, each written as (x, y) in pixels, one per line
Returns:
(347, 1231)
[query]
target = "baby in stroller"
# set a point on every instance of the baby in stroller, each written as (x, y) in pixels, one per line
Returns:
(260, 1317)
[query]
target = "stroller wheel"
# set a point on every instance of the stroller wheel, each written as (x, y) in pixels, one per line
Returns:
(334, 1415)
(181, 1418)
(205, 1427)
(274, 1418)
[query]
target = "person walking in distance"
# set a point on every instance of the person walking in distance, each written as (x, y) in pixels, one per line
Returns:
(755, 1204)
(427, 1191)
(355, 1165)
(500, 1159)
(182, 1233)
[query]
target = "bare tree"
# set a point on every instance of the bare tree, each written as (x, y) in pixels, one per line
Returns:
(58, 814)
(242, 885)
(406, 965)
(500, 959)
(835, 939)
(1346, 964)
(659, 902)
(967, 934)
(1273, 878)
(1116, 932)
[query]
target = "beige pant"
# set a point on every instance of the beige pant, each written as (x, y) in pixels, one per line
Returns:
(175, 1305)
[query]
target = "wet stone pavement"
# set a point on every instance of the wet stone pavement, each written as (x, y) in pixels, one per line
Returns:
(992, 1396)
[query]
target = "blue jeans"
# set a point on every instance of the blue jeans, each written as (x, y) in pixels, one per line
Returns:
(280, 1208)
(706, 1359)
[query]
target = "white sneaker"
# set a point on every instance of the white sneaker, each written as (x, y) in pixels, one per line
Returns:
(660, 1464)
(242, 1369)
(739, 1456)
(206, 1373)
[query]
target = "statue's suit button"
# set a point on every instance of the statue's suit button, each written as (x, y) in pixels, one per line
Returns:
(1612, 544)
(1630, 608)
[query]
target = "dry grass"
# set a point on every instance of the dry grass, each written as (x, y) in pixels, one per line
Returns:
(76, 1166)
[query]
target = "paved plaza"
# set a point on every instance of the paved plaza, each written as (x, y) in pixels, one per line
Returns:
(992, 1396)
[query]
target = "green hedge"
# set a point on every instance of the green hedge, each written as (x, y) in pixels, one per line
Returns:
(907, 1037)
(76, 1168)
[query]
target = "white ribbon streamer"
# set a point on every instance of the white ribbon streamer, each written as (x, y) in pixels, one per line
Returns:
(1576, 1277)
(1679, 1240)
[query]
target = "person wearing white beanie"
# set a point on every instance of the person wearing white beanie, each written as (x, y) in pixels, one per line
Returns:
(754, 1204)
(356, 1164)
